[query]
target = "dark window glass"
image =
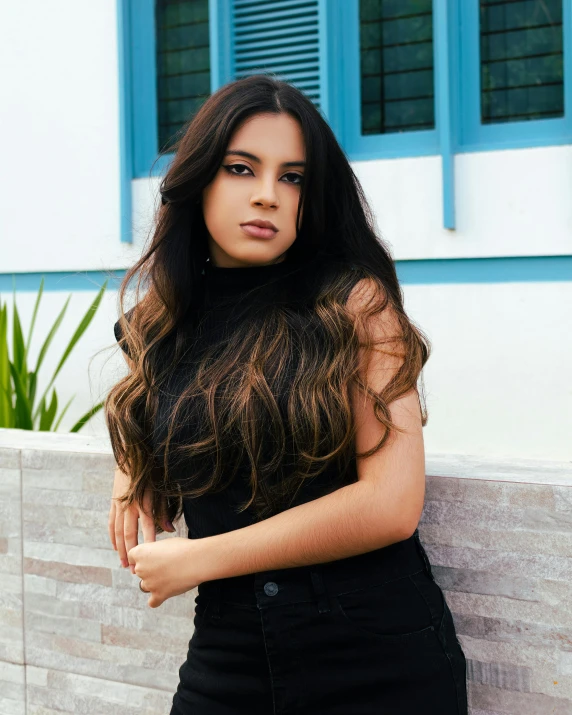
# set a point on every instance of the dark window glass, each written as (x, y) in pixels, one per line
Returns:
(183, 63)
(521, 60)
(396, 66)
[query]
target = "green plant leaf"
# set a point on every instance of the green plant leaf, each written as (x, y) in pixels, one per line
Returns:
(85, 321)
(48, 415)
(30, 331)
(88, 415)
(10, 414)
(23, 412)
(19, 347)
(46, 345)
(62, 414)
(6, 408)
(50, 335)
(32, 383)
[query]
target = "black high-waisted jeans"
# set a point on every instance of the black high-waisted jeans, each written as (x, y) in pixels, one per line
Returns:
(367, 635)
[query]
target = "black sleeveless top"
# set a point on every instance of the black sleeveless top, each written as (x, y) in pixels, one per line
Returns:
(229, 296)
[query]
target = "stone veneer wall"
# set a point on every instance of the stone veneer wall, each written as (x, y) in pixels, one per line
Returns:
(76, 635)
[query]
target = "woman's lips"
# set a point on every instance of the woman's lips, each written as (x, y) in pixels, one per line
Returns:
(258, 231)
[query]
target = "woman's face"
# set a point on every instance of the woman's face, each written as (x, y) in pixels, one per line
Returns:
(263, 185)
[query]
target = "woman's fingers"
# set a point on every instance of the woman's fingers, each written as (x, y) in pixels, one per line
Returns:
(130, 527)
(111, 525)
(147, 522)
(119, 536)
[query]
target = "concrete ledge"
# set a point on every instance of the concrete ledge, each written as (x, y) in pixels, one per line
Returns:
(76, 634)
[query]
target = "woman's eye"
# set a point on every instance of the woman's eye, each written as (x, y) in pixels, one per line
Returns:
(299, 178)
(229, 168)
(295, 178)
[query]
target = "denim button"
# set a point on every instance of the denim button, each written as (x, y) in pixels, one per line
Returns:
(270, 588)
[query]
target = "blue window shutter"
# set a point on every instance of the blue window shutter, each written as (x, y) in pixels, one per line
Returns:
(280, 37)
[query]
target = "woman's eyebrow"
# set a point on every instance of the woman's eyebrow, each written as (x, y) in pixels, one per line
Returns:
(248, 155)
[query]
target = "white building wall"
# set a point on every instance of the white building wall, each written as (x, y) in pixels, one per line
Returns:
(498, 382)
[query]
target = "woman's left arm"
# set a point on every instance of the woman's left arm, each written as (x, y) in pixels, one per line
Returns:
(385, 504)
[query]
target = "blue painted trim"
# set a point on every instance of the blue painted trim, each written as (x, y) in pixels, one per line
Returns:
(443, 61)
(124, 70)
(221, 42)
(512, 269)
(142, 43)
(324, 51)
(528, 269)
(475, 136)
(61, 280)
(567, 30)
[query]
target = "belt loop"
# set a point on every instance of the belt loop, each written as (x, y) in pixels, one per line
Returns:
(320, 590)
(215, 601)
(423, 555)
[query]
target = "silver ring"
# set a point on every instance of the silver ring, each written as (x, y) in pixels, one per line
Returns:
(141, 587)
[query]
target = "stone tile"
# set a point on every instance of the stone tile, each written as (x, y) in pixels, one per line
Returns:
(534, 566)
(443, 489)
(550, 610)
(68, 572)
(469, 536)
(483, 515)
(535, 495)
(514, 631)
(148, 675)
(12, 688)
(12, 707)
(39, 584)
(96, 538)
(64, 480)
(81, 628)
(112, 615)
(129, 638)
(488, 698)
(563, 498)
(548, 680)
(48, 460)
(9, 459)
(52, 497)
(72, 555)
(515, 654)
(500, 675)
(484, 582)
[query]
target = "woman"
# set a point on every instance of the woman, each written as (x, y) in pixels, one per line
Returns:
(272, 399)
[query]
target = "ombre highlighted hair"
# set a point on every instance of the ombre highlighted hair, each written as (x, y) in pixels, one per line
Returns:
(276, 395)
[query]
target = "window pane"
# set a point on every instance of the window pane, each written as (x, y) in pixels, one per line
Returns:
(396, 66)
(183, 63)
(521, 60)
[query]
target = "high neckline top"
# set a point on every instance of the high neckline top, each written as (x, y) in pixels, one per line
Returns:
(261, 284)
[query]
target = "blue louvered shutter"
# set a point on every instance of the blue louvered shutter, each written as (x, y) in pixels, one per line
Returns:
(278, 36)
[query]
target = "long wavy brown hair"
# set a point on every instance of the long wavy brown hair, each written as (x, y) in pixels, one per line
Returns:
(276, 394)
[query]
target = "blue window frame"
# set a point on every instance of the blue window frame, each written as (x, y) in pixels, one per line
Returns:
(162, 95)
(516, 60)
(360, 61)
(466, 36)
(372, 61)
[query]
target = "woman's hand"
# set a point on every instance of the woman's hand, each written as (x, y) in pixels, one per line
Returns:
(168, 567)
(123, 521)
